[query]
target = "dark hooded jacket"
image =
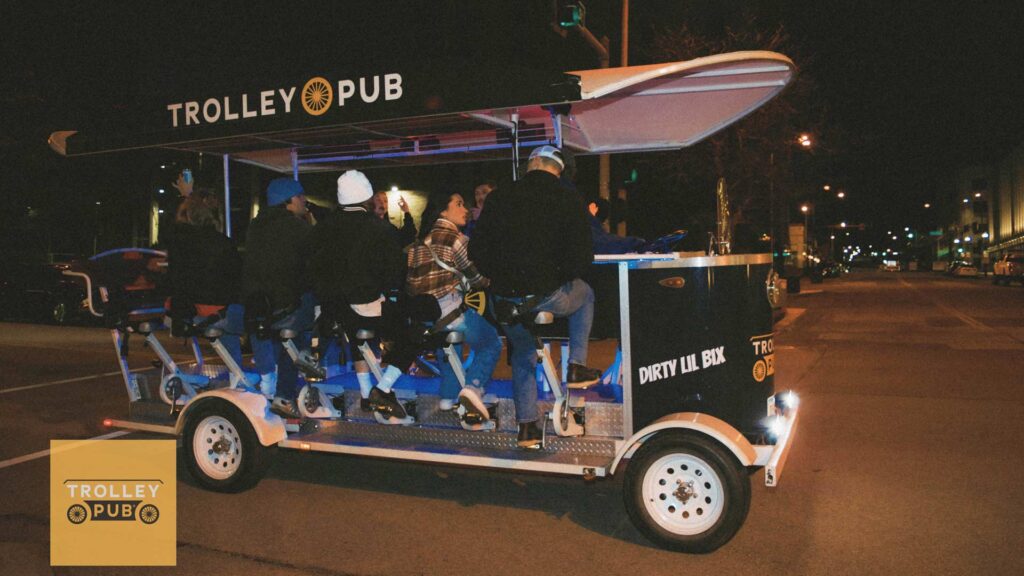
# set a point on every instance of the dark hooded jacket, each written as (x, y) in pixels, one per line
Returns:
(354, 258)
(532, 238)
(275, 257)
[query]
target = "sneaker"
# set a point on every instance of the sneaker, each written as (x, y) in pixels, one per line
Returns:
(284, 408)
(580, 376)
(445, 404)
(471, 408)
(387, 405)
(530, 436)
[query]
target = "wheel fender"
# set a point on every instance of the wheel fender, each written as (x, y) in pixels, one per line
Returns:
(703, 423)
(269, 427)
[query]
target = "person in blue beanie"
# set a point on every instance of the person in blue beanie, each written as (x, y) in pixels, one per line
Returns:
(275, 276)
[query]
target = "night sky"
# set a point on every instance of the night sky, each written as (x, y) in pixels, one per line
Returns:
(912, 89)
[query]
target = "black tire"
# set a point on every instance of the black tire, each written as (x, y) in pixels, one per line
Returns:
(709, 503)
(244, 459)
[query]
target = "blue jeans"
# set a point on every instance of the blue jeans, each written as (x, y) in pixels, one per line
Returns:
(483, 339)
(233, 326)
(270, 354)
(574, 299)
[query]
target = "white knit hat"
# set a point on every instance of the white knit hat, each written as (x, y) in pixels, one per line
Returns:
(353, 188)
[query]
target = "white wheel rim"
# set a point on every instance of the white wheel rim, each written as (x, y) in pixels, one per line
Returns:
(217, 447)
(683, 494)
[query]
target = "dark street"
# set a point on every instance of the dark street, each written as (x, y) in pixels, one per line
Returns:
(911, 386)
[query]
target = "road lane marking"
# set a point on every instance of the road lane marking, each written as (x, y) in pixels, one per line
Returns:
(70, 380)
(45, 453)
(948, 309)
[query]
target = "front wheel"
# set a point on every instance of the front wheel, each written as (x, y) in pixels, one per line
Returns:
(686, 493)
(222, 451)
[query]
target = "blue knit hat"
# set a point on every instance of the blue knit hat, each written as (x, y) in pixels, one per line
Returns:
(282, 190)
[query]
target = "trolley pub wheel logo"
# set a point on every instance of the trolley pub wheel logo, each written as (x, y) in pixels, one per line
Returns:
(113, 503)
(113, 500)
(317, 96)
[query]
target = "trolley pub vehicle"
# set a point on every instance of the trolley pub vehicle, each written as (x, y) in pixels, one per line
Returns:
(696, 408)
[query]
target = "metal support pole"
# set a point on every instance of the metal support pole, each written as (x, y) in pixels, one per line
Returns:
(295, 164)
(227, 196)
(515, 146)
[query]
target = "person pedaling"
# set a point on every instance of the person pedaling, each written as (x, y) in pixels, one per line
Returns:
(442, 277)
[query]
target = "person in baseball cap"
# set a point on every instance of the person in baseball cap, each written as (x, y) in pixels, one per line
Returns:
(275, 274)
(282, 190)
(534, 241)
(551, 153)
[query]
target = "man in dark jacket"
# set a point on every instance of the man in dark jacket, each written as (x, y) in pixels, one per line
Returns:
(534, 240)
(204, 270)
(407, 233)
(356, 262)
(275, 277)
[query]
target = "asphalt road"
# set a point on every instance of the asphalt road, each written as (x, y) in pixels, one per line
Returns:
(905, 463)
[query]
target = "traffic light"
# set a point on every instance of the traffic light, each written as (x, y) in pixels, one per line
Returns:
(571, 14)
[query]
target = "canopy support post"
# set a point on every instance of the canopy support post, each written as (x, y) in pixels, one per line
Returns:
(515, 146)
(295, 164)
(227, 196)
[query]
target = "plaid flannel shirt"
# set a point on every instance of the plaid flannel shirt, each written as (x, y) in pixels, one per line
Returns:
(450, 246)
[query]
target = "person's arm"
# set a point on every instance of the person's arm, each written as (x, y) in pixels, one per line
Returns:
(486, 235)
(462, 263)
(579, 247)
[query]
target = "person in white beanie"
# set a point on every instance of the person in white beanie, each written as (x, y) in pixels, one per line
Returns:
(355, 263)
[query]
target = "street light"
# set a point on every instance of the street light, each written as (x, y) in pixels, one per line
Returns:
(927, 205)
(841, 194)
(804, 140)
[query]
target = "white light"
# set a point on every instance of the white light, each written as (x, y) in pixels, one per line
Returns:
(161, 211)
(394, 188)
(977, 194)
(832, 237)
(906, 228)
(841, 195)
(927, 205)
(826, 187)
(842, 224)
(956, 240)
(162, 166)
(911, 235)
(161, 190)
(893, 237)
(966, 200)
(777, 426)
(985, 235)
(98, 202)
(967, 239)
(961, 250)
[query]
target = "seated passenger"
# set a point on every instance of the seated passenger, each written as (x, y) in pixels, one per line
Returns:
(533, 240)
(407, 233)
(439, 266)
(275, 277)
(356, 262)
(607, 242)
(204, 270)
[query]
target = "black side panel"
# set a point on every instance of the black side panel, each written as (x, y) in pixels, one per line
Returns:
(701, 342)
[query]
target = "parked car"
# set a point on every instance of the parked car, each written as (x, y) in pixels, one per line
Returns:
(832, 269)
(40, 292)
(964, 269)
(1008, 269)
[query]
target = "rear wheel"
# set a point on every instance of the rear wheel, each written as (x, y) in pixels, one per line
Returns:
(686, 493)
(222, 451)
